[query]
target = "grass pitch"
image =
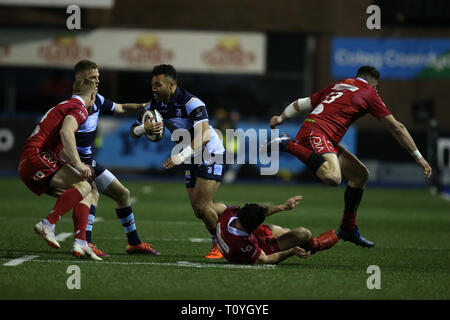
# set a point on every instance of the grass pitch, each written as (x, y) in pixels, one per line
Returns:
(411, 229)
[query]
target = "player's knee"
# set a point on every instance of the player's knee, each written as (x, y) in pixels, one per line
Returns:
(332, 180)
(84, 188)
(365, 174)
(302, 234)
(123, 197)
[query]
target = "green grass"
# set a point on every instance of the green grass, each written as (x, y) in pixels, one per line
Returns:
(411, 229)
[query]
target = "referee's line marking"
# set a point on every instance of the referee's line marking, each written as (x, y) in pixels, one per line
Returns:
(16, 262)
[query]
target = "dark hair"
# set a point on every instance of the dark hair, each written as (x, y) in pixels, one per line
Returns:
(166, 69)
(368, 71)
(85, 65)
(251, 216)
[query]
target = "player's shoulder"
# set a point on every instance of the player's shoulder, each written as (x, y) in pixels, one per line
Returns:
(189, 99)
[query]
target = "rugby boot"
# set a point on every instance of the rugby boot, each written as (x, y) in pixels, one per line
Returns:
(48, 234)
(142, 248)
(355, 237)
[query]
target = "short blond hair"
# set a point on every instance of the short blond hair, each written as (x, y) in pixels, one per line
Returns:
(84, 65)
(83, 87)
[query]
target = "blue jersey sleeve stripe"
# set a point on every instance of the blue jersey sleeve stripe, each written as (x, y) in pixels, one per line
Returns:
(193, 104)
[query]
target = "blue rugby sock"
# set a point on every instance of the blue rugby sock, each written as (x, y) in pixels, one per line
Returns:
(126, 218)
(91, 219)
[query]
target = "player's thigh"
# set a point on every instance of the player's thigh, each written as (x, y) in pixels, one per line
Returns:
(66, 177)
(277, 231)
(203, 192)
(296, 237)
(330, 171)
(353, 169)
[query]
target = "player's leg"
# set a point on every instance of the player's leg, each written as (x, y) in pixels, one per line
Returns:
(66, 185)
(80, 218)
(315, 150)
(358, 175)
(110, 186)
(296, 237)
(202, 182)
(200, 198)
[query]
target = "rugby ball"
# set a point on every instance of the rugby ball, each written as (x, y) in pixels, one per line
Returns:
(157, 118)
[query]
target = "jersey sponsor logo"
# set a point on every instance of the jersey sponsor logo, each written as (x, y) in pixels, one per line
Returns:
(49, 159)
(82, 115)
(146, 50)
(228, 52)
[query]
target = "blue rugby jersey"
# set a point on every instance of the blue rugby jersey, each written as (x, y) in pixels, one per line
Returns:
(85, 135)
(177, 114)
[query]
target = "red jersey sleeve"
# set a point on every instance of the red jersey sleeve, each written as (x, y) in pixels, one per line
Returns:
(79, 113)
(376, 106)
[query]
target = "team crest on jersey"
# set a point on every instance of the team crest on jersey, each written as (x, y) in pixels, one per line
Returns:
(178, 112)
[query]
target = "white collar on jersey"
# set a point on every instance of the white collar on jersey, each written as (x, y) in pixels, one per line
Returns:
(79, 98)
(235, 231)
(363, 80)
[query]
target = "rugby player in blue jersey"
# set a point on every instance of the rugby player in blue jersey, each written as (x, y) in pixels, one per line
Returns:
(182, 110)
(105, 181)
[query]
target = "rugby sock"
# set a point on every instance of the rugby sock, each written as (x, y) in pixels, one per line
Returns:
(66, 201)
(313, 244)
(352, 198)
(311, 159)
(80, 220)
(126, 218)
(91, 219)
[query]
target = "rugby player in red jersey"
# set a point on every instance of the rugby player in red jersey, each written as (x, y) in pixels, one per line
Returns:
(335, 108)
(50, 164)
(242, 237)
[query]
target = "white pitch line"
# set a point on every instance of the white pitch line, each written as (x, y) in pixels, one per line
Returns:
(16, 262)
(185, 264)
(63, 236)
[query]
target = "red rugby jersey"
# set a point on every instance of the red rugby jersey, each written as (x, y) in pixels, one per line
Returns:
(235, 245)
(46, 134)
(336, 107)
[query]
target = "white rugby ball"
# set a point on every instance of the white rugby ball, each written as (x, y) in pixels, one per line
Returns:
(157, 118)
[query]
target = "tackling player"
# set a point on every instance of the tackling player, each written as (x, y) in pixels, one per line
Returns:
(182, 110)
(105, 182)
(317, 142)
(243, 238)
(43, 170)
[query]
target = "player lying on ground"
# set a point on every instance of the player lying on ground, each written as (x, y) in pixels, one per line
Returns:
(43, 170)
(105, 182)
(317, 142)
(243, 238)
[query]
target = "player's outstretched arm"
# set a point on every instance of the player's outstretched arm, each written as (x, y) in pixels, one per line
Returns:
(129, 108)
(401, 134)
(277, 257)
(291, 111)
(289, 204)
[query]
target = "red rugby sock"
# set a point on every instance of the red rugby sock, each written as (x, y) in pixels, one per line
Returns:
(65, 202)
(80, 220)
(299, 151)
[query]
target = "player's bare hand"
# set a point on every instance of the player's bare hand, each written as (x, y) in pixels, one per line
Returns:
(300, 252)
(85, 171)
(172, 161)
(274, 122)
(152, 128)
(426, 167)
(291, 203)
